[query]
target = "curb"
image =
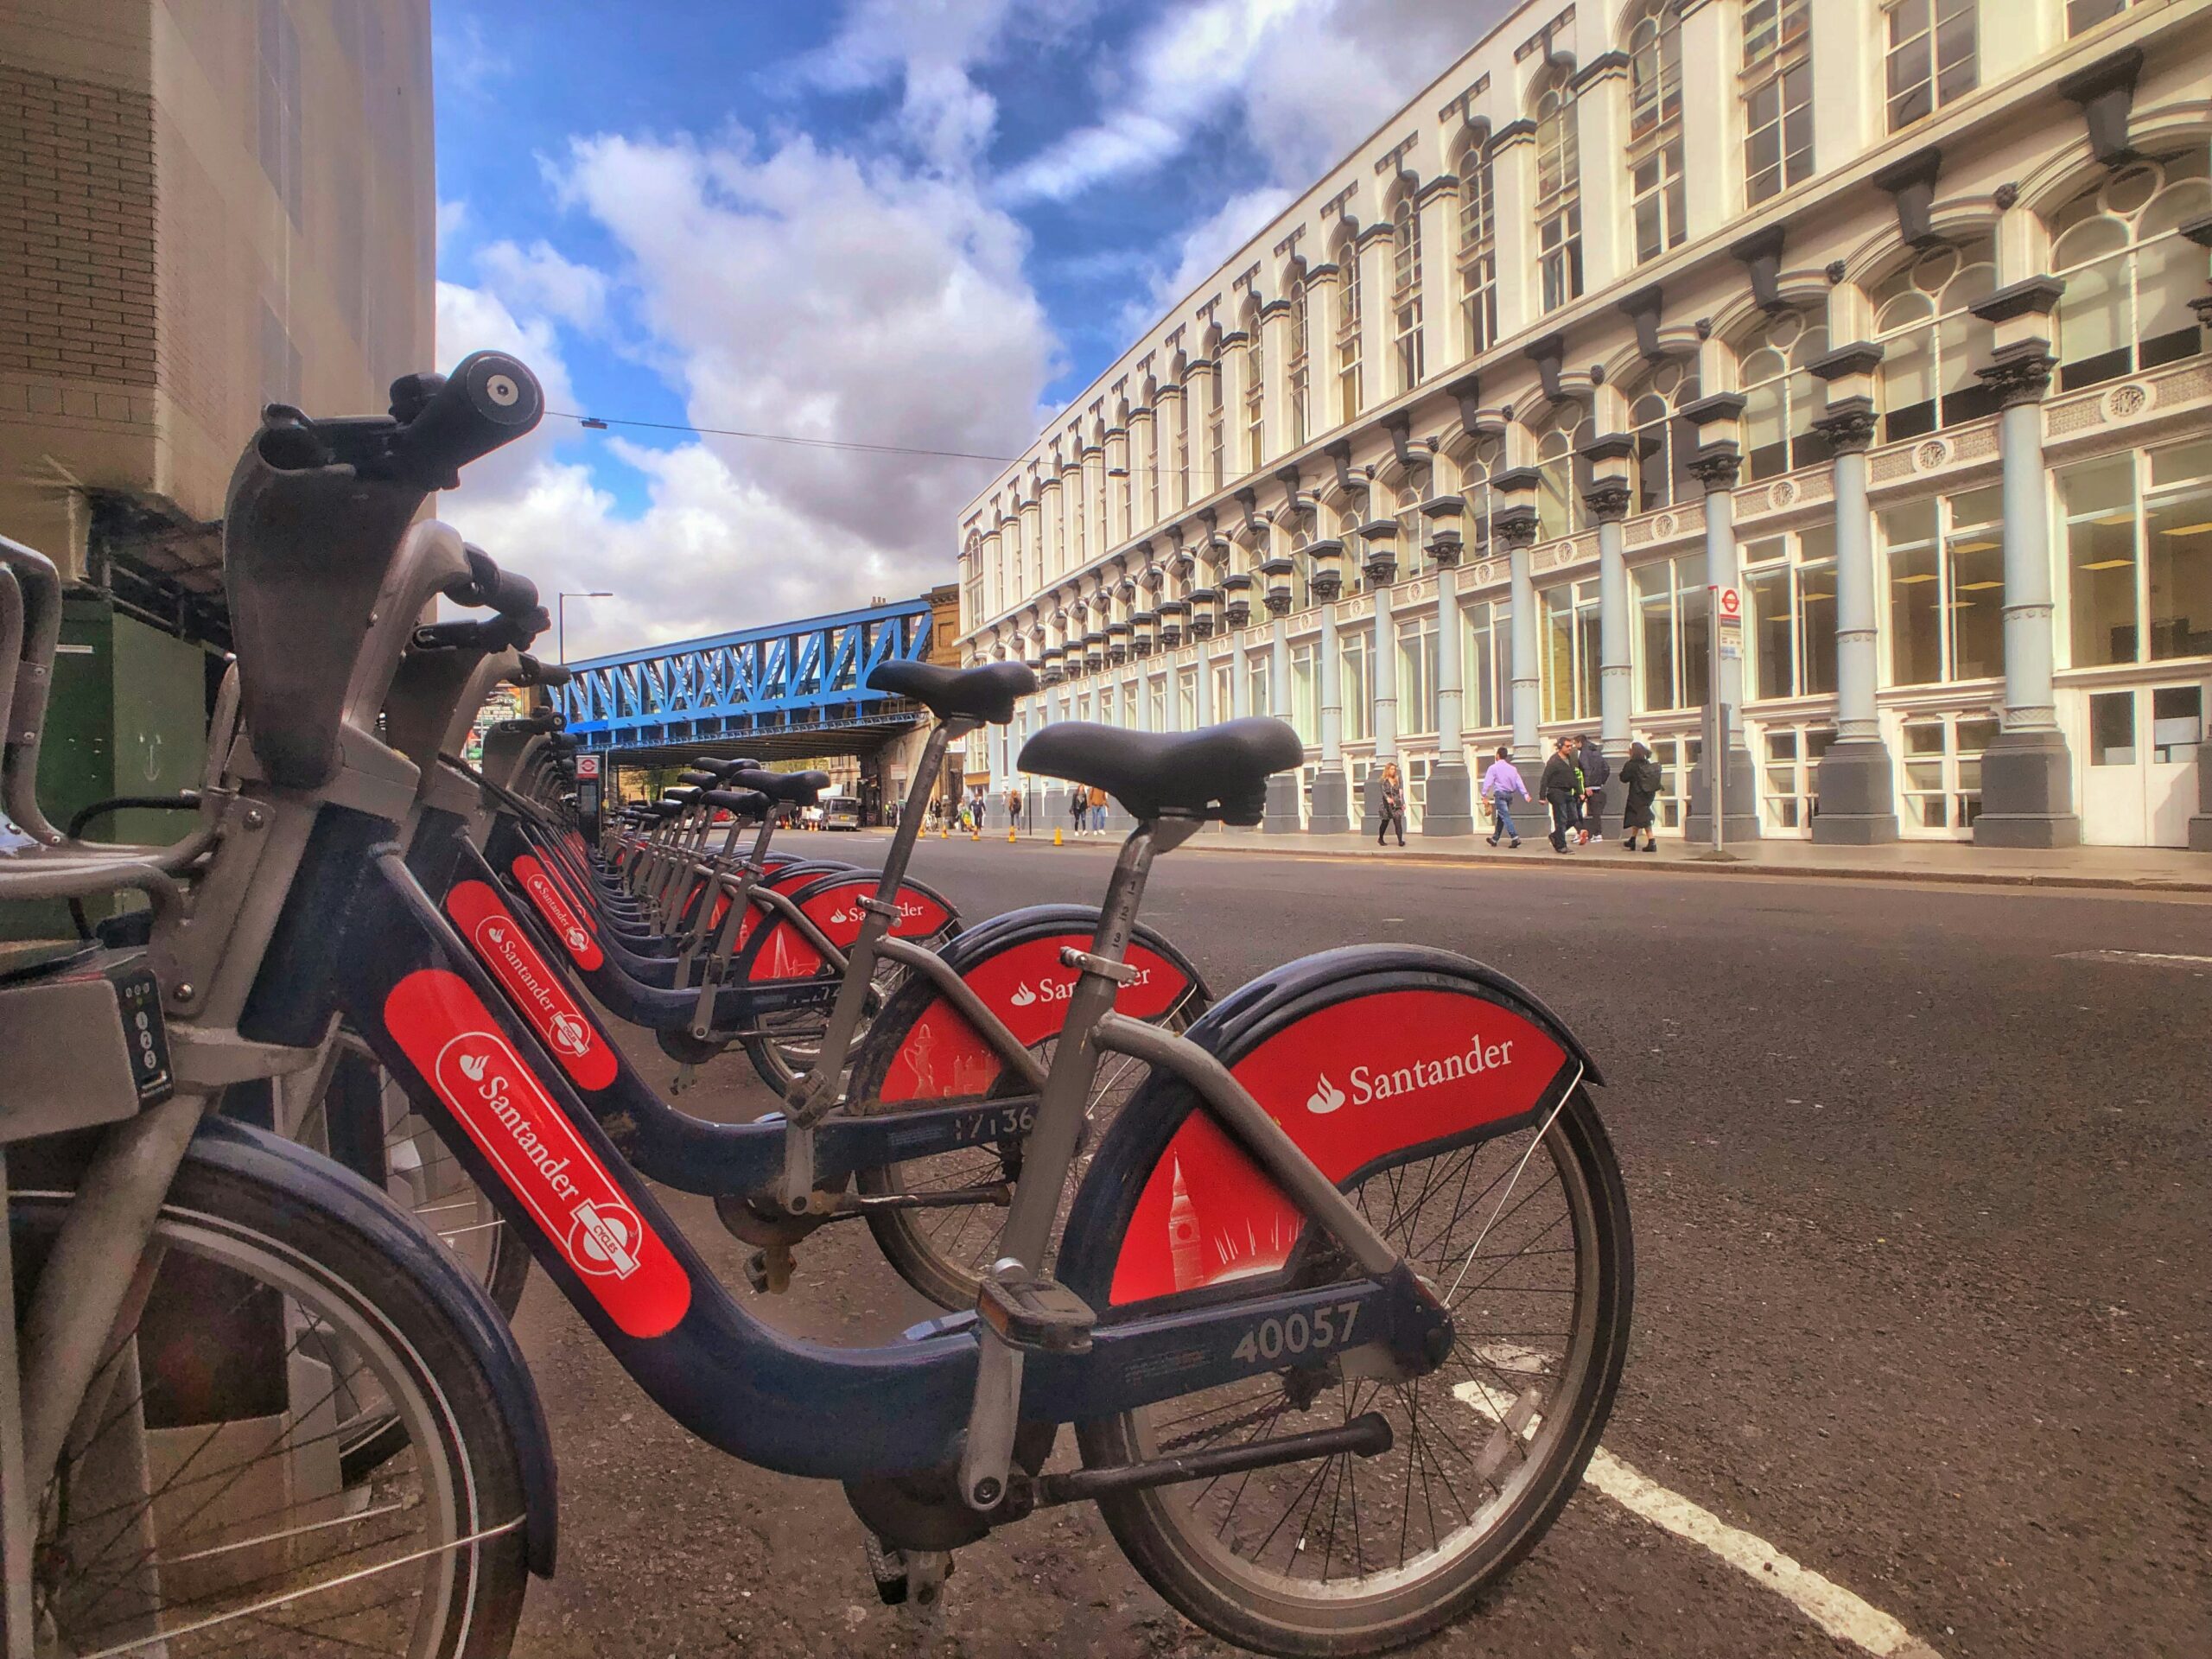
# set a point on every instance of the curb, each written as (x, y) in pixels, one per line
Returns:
(1285, 847)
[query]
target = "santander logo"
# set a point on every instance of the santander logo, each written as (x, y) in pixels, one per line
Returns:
(537, 1153)
(531, 984)
(1058, 990)
(554, 907)
(1371, 1083)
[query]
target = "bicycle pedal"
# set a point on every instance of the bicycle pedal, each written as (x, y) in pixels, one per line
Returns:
(887, 1567)
(769, 1271)
(1037, 1316)
(686, 1075)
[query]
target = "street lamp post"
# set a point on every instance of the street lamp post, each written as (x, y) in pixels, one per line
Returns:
(561, 612)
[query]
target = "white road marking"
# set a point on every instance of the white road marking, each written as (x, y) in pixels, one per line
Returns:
(1826, 1602)
(2154, 958)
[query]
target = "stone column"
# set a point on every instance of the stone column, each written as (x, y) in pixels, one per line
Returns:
(1383, 669)
(1608, 502)
(1168, 414)
(1856, 781)
(1601, 122)
(1204, 670)
(1332, 793)
(1451, 790)
(1230, 370)
(1716, 467)
(1274, 345)
(1515, 526)
(1284, 787)
(1439, 205)
(1712, 156)
(2027, 773)
(1513, 172)
(1378, 367)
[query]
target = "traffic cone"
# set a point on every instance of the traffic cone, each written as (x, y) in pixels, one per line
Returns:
(1057, 841)
(1009, 836)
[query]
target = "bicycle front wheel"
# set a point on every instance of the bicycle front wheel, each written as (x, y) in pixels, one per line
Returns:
(212, 1497)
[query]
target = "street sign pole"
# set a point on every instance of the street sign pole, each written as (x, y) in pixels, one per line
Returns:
(1724, 646)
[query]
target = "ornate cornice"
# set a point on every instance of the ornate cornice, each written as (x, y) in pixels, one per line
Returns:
(1861, 357)
(2037, 296)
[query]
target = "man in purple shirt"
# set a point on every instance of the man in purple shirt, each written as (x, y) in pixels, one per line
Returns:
(1500, 785)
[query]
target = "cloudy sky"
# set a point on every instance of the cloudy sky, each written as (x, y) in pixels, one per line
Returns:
(921, 224)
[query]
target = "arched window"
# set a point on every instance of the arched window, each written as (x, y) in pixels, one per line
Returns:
(1405, 292)
(1562, 474)
(1477, 251)
(1659, 469)
(1931, 343)
(1781, 399)
(1655, 145)
(1777, 97)
(1559, 190)
(2129, 272)
(1348, 367)
(1299, 375)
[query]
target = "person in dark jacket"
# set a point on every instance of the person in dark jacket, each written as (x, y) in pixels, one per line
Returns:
(1596, 773)
(1640, 777)
(1559, 785)
(1392, 804)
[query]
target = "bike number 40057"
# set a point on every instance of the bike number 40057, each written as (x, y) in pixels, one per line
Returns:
(1329, 1327)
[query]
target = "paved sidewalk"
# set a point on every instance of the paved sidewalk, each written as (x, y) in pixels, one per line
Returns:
(2151, 869)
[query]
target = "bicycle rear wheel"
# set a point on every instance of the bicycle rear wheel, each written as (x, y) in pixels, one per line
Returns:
(209, 1501)
(1526, 1239)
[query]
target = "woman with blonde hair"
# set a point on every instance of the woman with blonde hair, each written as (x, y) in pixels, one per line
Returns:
(1393, 803)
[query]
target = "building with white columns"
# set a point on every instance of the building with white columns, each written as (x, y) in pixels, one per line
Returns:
(1887, 313)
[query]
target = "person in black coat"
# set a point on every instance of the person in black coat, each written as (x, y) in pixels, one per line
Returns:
(1596, 773)
(1560, 785)
(1640, 777)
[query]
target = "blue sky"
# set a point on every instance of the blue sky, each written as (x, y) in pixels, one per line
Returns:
(919, 223)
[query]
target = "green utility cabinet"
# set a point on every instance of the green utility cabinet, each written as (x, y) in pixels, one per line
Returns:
(128, 716)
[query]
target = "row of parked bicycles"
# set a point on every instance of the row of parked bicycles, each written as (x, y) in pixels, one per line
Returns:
(1320, 1290)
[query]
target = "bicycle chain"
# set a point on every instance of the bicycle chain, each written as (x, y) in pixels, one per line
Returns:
(1251, 1420)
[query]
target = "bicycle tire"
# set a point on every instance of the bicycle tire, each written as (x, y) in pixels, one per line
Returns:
(1180, 1540)
(238, 1247)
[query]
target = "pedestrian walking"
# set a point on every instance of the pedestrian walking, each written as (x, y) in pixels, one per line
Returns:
(1098, 811)
(1501, 786)
(1393, 801)
(1596, 773)
(1640, 777)
(1561, 785)
(1013, 808)
(1078, 809)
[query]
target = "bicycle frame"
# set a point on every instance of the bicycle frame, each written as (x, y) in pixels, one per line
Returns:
(484, 1079)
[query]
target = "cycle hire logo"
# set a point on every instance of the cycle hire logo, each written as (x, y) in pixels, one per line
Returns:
(449, 1035)
(1325, 1097)
(531, 984)
(554, 906)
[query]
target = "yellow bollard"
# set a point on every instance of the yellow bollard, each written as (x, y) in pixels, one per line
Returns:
(1057, 841)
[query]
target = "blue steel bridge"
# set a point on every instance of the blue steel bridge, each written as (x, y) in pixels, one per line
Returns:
(784, 692)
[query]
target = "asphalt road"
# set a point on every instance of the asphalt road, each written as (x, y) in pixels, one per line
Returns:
(1923, 1286)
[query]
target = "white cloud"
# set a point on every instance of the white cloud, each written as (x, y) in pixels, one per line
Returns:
(541, 281)
(1201, 250)
(788, 290)
(452, 218)
(930, 47)
(1304, 80)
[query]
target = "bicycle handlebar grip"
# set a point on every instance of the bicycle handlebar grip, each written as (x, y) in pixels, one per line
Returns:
(489, 399)
(508, 592)
(546, 674)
